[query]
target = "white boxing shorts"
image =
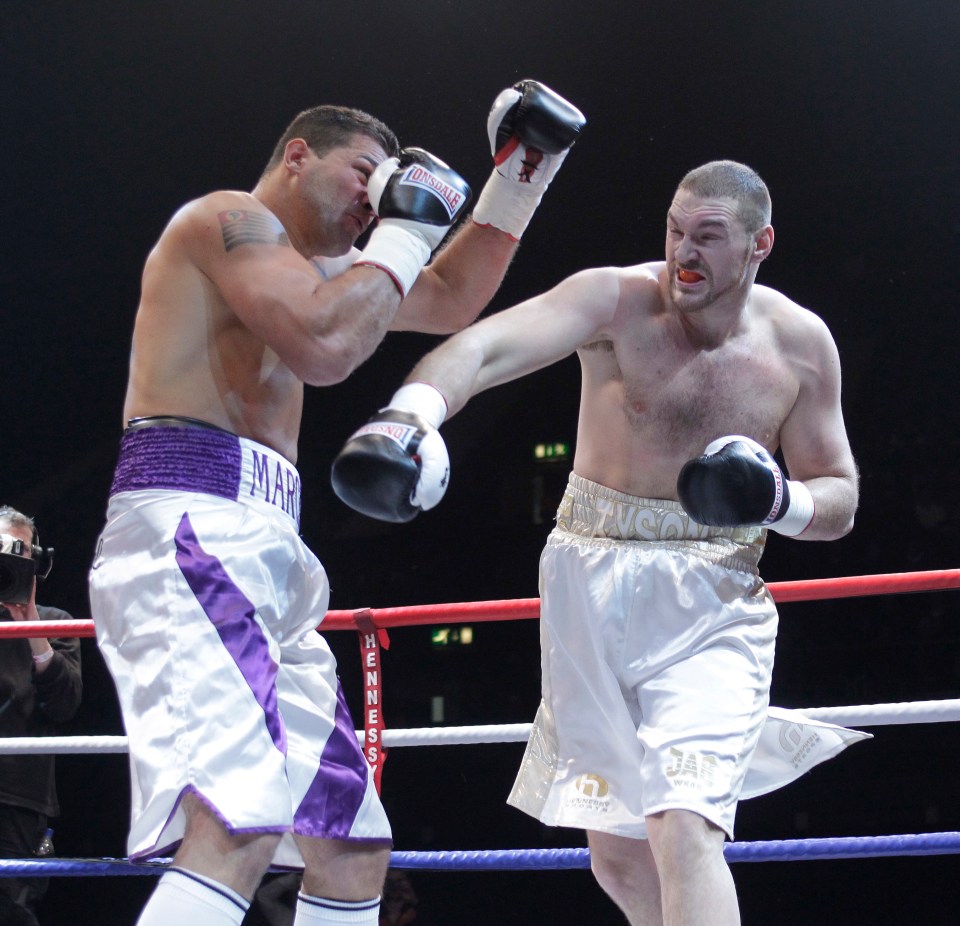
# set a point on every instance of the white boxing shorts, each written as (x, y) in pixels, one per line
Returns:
(657, 648)
(206, 602)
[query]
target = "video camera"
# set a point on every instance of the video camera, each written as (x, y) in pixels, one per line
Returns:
(19, 563)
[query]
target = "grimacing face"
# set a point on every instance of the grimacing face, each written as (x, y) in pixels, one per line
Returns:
(336, 187)
(708, 250)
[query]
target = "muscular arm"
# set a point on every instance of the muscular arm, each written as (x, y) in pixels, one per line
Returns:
(321, 330)
(462, 279)
(397, 465)
(814, 441)
(521, 339)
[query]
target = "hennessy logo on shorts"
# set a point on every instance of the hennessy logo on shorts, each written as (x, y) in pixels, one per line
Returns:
(691, 769)
(418, 175)
(276, 484)
(591, 786)
(795, 740)
(590, 793)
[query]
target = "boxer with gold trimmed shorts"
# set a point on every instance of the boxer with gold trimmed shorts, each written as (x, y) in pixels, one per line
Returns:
(658, 634)
(657, 643)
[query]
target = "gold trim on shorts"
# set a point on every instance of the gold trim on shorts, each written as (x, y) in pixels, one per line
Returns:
(598, 514)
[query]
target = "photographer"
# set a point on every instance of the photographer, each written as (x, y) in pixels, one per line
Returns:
(40, 689)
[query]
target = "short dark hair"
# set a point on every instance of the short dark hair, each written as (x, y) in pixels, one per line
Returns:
(732, 180)
(326, 127)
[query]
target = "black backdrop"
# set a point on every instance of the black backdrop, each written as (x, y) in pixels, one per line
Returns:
(115, 113)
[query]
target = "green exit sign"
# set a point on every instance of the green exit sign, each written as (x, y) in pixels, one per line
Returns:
(559, 450)
(451, 636)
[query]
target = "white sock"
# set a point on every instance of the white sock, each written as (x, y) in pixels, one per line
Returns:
(321, 911)
(188, 899)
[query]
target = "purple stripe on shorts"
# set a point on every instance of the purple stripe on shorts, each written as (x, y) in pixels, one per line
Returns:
(333, 799)
(231, 613)
(184, 459)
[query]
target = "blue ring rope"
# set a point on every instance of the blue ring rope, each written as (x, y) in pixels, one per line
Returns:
(780, 850)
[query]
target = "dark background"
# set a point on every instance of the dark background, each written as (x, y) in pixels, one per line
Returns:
(115, 113)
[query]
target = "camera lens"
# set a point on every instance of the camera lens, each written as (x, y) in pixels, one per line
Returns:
(16, 578)
(7, 582)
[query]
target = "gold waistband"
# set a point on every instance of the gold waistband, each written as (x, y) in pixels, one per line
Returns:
(596, 512)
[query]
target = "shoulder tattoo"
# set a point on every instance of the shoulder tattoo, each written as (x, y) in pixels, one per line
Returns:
(240, 226)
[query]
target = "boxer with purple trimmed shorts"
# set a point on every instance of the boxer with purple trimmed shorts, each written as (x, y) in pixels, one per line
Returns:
(204, 597)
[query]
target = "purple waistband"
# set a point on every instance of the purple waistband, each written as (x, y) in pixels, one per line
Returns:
(208, 461)
(182, 459)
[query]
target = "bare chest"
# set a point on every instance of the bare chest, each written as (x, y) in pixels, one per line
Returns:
(680, 400)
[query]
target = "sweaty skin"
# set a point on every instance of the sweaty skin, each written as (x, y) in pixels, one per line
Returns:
(248, 296)
(651, 399)
(675, 354)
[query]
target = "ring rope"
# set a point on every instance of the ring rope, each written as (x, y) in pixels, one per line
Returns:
(526, 608)
(864, 715)
(777, 850)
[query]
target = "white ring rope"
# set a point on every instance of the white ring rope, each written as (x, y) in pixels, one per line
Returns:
(864, 715)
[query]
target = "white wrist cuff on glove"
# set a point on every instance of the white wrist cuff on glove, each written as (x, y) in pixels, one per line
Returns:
(399, 252)
(800, 513)
(420, 399)
(507, 204)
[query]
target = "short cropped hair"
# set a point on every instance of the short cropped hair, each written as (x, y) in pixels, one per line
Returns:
(732, 180)
(326, 127)
(16, 518)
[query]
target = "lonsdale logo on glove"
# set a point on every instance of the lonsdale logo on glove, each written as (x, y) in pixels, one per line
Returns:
(396, 465)
(401, 434)
(418, 175)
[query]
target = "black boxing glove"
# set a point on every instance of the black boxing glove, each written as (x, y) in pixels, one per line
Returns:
(396, 465)
(737, 483)
(531, 130)
(418, 199)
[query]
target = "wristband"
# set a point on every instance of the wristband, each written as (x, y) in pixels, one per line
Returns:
(800, 506)
(43, 657)
(796, 519)
(506, 204)
(400, 253)
(420, 399)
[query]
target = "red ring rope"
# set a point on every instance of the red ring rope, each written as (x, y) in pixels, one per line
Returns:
(526, 608)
